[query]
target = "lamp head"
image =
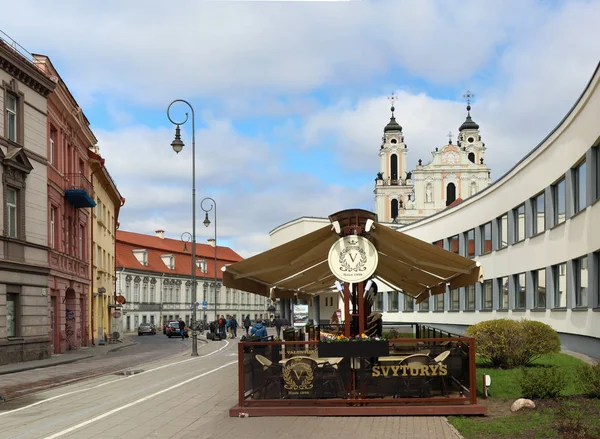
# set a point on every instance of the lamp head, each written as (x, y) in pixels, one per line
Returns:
(206, 221)
(177, 144)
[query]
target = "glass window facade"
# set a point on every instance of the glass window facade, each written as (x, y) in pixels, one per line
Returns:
(538, 209)
(486, 238)
(503, 296)
(519, 217)
(470, 243)
(486, 293)
(502, 231)
(539, 294)
(580, 189)
(560, 204)
(560, 285)
(581, 281)
(470, 298)
(520, 291)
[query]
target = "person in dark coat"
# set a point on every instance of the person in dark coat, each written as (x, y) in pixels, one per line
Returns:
(233, 324)
(247, 323)
(182, 328)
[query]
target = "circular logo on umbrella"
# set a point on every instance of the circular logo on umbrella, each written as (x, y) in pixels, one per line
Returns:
(353, 259)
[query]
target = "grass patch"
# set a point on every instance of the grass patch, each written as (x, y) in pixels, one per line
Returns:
(505, 382)
(570, 411)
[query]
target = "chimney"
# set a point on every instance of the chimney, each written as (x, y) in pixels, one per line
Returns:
(160, 234)
(211, 241)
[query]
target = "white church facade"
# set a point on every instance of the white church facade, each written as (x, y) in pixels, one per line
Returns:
(456, 172)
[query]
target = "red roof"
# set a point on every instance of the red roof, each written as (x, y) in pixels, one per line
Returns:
(156, 247)
(455, 202)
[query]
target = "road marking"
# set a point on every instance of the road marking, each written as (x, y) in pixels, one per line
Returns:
(131, 404)
(113, 381)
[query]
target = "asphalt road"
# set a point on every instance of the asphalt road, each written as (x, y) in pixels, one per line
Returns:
(148, 349)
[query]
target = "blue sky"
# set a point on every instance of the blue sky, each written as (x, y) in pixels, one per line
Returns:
(291, 97)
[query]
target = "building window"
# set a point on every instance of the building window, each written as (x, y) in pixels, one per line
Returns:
(409, 303)
(470, 298)
(81, 233)
(486, 294)
(378, 304)
(424, 306)
(394, 209)
(538, 218)
(486, 238)
(560, 205)
(470, 244)
(439, 302)
(439, 243)
(392, 301)
(596, 152)
(12, 301)
(539, 288)
(502, 231)
(454, 300)
(579, 187)
(51, 147)
(52, 227)
(503, 291)
(581, 282)
(12, 196)
(519, 218)
(520, 291)
(152, 290)
(454, 247)
(11, 116)
(136, 291)
(559, 277)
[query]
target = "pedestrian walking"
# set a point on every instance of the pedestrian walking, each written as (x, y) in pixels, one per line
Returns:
(278, 322)
(259, 330)
(247, 324)
(233, 325)
(182, 328)
(222, 324)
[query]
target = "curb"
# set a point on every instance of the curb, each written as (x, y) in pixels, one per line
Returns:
(43, 366)
(131, 343)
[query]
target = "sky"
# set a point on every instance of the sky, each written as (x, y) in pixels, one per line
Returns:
(291, 97)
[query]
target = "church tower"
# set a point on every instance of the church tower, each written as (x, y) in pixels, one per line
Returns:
(393, 187)
(456, 172)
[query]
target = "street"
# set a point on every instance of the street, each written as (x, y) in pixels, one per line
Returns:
(101, 360)
(180, 396)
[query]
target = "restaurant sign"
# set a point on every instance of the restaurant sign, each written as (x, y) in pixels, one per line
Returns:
(298, 378)
(353, 259)
(413, 370)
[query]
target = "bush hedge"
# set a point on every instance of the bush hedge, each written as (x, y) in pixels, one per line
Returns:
(511, 343)
(541, 383)
(588, 379)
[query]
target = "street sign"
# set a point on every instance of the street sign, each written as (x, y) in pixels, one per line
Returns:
(205, 305)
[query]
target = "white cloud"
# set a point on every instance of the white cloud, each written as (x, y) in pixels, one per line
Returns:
(253, 49)
(540, 76)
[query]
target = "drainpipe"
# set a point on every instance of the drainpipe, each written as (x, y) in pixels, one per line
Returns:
(91, 292)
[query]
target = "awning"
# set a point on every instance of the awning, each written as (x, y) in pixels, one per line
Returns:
(300, 267)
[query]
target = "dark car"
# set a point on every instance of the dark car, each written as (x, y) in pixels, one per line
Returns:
(172, 330)
(146, 328)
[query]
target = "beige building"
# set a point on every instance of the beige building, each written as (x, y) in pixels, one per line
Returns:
(23, 208)
(102, 320)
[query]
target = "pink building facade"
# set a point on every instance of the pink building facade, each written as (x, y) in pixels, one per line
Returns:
(70, 199)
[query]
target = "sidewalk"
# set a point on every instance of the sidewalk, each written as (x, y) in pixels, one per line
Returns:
(68, 357)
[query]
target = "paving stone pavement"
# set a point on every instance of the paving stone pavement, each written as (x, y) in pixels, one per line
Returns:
(19, 379)
(187, 398)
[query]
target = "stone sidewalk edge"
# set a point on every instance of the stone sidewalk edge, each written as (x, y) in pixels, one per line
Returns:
(49, 362)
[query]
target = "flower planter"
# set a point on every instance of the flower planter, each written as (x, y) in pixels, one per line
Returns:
(365, 349)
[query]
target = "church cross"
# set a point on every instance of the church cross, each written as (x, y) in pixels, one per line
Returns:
(449, 135)
(468, 96)
(393, 98)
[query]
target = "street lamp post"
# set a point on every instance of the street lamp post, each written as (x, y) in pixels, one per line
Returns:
(177, 145)
(206, 222)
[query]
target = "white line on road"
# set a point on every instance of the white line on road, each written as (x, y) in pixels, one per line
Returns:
(131, 404)
(113, 381)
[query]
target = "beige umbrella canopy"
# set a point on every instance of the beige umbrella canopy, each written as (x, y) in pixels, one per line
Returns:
(300, 267)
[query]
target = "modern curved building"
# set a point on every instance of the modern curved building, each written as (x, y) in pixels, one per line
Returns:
(535, 231)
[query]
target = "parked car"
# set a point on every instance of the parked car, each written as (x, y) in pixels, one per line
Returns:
(146, 328)
(172, 330)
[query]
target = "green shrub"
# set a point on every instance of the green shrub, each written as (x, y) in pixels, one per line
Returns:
(542, 383)
(511, 343)
(571, 424)
(588, 379)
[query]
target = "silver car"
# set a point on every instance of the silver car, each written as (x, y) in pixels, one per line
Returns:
(146, 328)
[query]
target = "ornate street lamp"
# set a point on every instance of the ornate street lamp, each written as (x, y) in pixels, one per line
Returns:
(177, 145)
(206, 222)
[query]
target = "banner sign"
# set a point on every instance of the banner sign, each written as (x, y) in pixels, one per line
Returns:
(353, 259)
